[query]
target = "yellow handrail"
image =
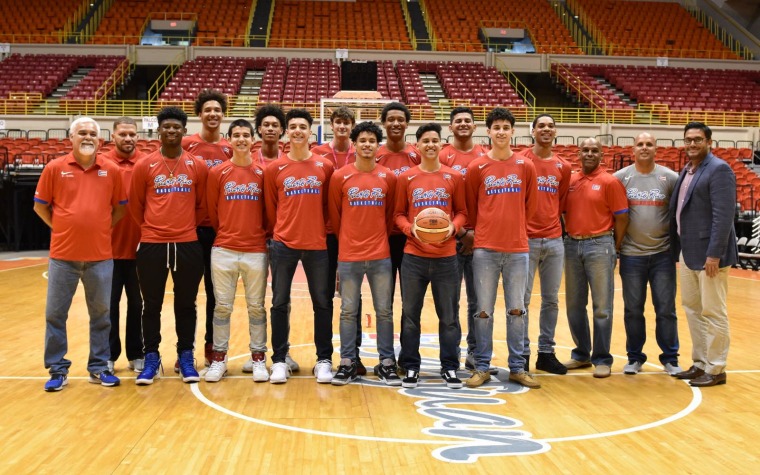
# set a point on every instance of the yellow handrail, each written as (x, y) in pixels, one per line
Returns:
(432, 37)
(584, 91)
(408, 23)
(252, 7)
(528, 97)
(166, 75)
(269, 23)
(719, 32)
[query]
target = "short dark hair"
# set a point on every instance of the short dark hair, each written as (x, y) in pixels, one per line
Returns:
(210, 95)
(366, 127)
(343, 112)
(172, 112)
(124, 120)
(535, 121)
(269, 110)
(430, 126)
(395, 106)
(699, 126)
(240, 123)
(499, 113)
(460, 110)
(298, 114)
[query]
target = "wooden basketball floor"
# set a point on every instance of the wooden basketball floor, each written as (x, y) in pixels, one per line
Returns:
(648, 423)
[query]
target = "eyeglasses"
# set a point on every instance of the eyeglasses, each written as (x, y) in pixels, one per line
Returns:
(695, 141)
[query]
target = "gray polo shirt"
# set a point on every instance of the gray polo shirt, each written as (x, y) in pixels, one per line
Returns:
(648, 205)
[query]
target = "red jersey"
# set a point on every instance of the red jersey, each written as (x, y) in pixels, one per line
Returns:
(126, 234)
(398, 162)
(458, 160)
(553, 180)
(235, 201)
(295, 196)
(361, 210)
(212, 153)
(338, 159)
(416, 190)
(168, 197)
(501, 198)
(592, 200)
(82, 203)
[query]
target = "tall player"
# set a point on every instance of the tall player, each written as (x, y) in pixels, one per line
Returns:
(501, 198)
(361, 212)
(295, 196)
(547, 251)
(124, 240)
(210, 146)
(236, 209)
(270, 126)
(168, 201)
(430, 184)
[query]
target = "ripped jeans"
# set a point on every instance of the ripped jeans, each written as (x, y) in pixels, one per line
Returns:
(488, 266)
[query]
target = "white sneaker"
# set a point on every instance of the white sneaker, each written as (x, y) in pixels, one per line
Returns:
(216, 371)
(323, 371)
(633, 367)
(280, 373)
(292, 363)
(137, 365)
(248, 366)
(672, 369)
(109, 363)
(259, 370)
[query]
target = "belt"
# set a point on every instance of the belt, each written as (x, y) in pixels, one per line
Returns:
(589, 236)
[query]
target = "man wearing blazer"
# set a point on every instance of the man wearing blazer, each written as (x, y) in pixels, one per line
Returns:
(702, 234)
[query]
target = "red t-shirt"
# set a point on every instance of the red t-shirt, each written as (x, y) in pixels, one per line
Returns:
(553, 180)
(361, 210)
(398, 162)
(295, 196)
(592, 200)
(235, 199)
(501, 198)
(338, 159)
(212, 153)
(168, 197)
(416, 190)
(82, 203)
(126, 234)
(458, 160)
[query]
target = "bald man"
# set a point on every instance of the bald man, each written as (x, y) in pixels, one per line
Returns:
(645, 257)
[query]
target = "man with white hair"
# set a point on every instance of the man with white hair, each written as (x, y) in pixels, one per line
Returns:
(80, 196)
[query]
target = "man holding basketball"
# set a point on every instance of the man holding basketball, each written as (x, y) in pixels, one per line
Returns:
(501, 199)
(430, 185)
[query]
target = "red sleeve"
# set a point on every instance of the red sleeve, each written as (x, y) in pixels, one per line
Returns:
(401, 207)
(212, 197)
(270, 197)
(44, 192)
(200, 192)
(328, 176)
(617, 197)
(417, 156)
(531, 190)
(471, 182)
(136, 203)
(564, 184)
(391, 200)
(335, 203)
(459, 203)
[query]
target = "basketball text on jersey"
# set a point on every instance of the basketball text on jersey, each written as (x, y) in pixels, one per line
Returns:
(497, 186)
(179, 184)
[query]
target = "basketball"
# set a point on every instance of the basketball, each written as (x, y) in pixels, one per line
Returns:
(432, 225)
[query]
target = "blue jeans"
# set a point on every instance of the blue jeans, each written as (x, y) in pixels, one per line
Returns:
(380, 278)
(548, 257)
(659, 270)
(465, 273)
(441, 273)
(63, 278)
(590, 263)
(284, 261)
(488, 266)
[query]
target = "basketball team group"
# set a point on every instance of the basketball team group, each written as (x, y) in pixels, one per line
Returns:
(430, 214)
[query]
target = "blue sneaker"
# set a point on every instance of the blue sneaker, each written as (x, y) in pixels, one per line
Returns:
(150, 370)
(56, 383)
(187, 367)
(104, 378)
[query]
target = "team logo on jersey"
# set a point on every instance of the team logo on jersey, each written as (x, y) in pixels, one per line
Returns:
(179, 184)
(653, 197)
(460, 169)
(549, 184)
(412, 155)
(302, 186)
(359, 197)
(259, 171)
(497, 186)
(227, 150)
(319, 164)
(426, 198)
(102, 172)
(596, 187)
(381, 174)
(559, 165)
(67, 174)
(519, 161)
(211, 163)
(190, 162)
(400, 171)
(243, 191)
(447, 176)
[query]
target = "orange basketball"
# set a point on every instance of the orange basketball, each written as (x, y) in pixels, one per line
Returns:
(432, 225)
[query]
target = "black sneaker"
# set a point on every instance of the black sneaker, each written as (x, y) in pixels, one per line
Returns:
(361, 370)
(411, 379)
(450, 377)
(548, 362)
(387, 374)
(345, 374)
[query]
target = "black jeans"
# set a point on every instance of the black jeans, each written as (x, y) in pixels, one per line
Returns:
(154, 262)
(125, 278)
(206, 236)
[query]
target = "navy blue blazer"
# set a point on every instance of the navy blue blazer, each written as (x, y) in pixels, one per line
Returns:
(707, 216)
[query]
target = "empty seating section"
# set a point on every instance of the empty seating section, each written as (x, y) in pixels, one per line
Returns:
(34, 74)
(35, 21)
(640, 28)
(98, 81)
(480, 85)
(309, 80)
(363, 24)
(582, 81)
(412, 92)
(220, 23)
(273, 82)
(456, 24)
(208, 72)
(388, 81)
